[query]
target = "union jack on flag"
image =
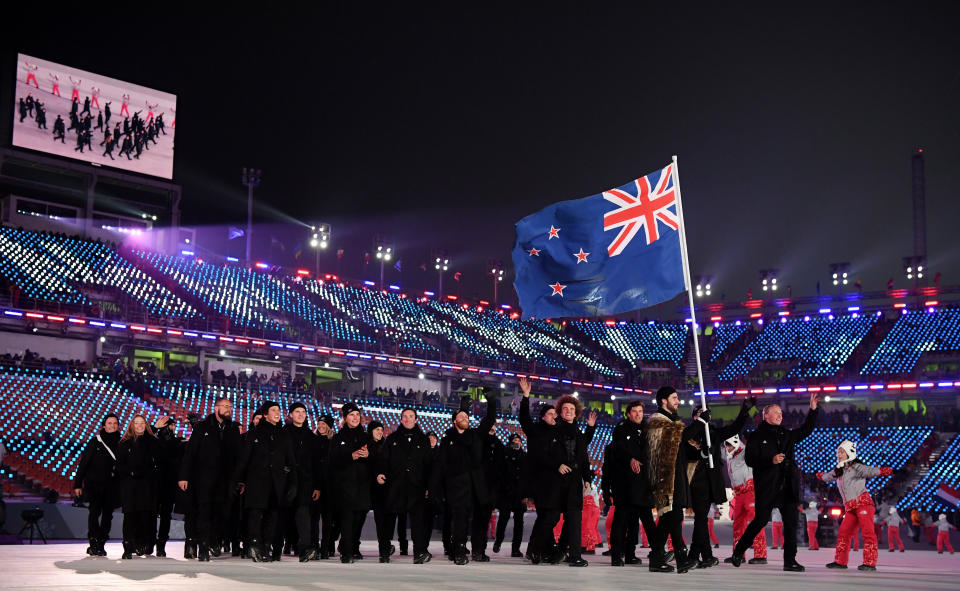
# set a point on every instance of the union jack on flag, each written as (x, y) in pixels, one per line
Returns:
(644, 210)
(567, 265)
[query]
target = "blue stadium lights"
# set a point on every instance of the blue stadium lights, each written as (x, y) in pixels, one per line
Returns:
(825, 310)
(370, 283)
(233, 260)
(394, 287)
(187, 253)
(12, 313)
(853, 309)
(97, 323)
(117, 325)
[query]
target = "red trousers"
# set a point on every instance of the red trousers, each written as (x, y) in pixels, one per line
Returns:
(124, 110)
(812, 534)
(859, 513)
(34, 78)
(943, 538)
(744, 507)
(609, 522)
(777, 527)
(56, 90)
(713, 536)
(893, 537)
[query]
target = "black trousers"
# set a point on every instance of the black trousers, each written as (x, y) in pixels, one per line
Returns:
(402, 529)
(700, 546)
(459, 516)
(760, 519)
(420, 528)
(670, 525)
(323, 528)
(296, 528)
(165, 511)
(517, 512)
(385, 524)
(625, 529)
(138, 527)
(571, 507)
(262, 522)
(351, 524)
(481, 523)
(99, 518)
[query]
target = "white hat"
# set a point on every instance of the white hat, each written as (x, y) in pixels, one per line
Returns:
(892, 510)
(851, 449)
(735, 443)
(812, 504)
(943, 516)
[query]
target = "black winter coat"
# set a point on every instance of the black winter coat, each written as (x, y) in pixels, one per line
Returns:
(561, 444)
(209, 462)
(512, 466)
(266, 465)
(351, 478)
(169, 455)
(630, 443)
(775, 483)
(97, 470)
(709, 481)
(304, 446)
(610, 474)
(138, 473)
(492, 465)
(321, 469)
(405, 461)
(458, 477)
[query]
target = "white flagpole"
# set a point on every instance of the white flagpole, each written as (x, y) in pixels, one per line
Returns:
(693, 314)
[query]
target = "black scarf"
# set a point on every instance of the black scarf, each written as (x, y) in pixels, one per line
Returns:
(110, 439)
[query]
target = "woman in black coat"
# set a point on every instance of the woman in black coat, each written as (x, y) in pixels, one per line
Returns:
(351, 474)
(265, 476)
(137, 469)
(96, 480)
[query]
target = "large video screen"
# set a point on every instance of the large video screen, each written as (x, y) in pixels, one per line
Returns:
(85, 116)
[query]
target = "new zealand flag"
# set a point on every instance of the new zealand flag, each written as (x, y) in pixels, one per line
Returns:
(569, 261)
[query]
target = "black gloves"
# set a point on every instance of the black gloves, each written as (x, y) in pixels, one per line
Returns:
(749, 402)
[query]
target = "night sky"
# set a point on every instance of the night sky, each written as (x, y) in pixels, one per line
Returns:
(441, 126)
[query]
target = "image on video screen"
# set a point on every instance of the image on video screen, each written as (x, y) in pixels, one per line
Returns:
(77, 114)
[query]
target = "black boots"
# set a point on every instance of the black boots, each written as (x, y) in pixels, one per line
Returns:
(128, 550)
(404, 547)
(307, 554)
(203, 554)
(255, 550)
(422, 557)
(684, 563)
(190, 549)
(161, 548)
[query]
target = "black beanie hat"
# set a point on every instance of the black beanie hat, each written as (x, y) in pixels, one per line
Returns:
(295, 406)
(328, 420)
(373, 425)
(514, 436)
(266, 407)
(103, 423)
(663, 393)
(544, 408)
(347, 408)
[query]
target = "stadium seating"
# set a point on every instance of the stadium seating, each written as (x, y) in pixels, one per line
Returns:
(915, 333)
(820, 345)
(882, 446)
(636, 343)
(249, 298)
(946, 470)
(59, 269)
(48, 417)
(724, 335)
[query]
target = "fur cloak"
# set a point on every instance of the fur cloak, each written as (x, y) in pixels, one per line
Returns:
(664, 437)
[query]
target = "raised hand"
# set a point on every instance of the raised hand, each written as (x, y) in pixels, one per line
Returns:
(525, 386)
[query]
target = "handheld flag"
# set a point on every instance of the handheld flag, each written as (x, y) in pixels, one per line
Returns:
(602, 255)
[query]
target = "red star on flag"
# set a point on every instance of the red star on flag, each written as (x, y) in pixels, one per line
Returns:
(557, 289)
(581, 256)
(554, 233)
(534, 252)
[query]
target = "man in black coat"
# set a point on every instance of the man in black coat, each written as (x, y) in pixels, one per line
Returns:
(535, 432)
(322, 530)
(404, 468)
(96, 480)
(206, 473)
(670, 488)
(304, 447)
(625, 473)
(492, 460)
(266, 477)
(459, 479)
(509, 495)
(351, 474)
(706, 484)
(560, 454)
(770, 452)
(169, 454)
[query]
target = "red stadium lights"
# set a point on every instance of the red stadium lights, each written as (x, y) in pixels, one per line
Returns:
(262, 266)
(931, 303)
(756, 315)
(34, 315)
(611, 322)
(716, 318)
(303, 272)
(452, 297)
(484, 303)
(53, 318)
(900, 305)
(836, 512)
